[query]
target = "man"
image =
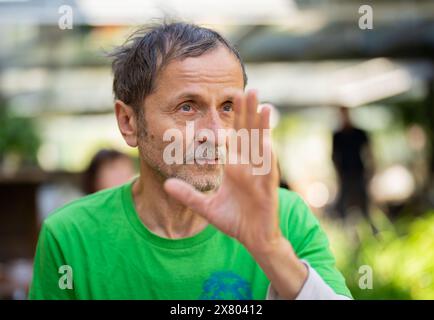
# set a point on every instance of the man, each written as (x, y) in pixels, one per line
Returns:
(186, 231)
(351, 154)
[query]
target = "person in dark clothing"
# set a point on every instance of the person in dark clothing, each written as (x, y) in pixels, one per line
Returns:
(350, 150)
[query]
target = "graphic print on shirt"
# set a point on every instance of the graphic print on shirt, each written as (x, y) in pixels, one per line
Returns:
(226, 285)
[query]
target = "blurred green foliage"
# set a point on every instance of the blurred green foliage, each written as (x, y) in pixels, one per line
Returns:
(401, 257)
(18, 136)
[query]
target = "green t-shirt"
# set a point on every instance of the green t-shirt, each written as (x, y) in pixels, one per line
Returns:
(110, 254)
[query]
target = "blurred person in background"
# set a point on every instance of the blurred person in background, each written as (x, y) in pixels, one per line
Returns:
(352, 158)
(108, 168)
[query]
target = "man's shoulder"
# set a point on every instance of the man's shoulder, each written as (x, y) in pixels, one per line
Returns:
(297, 221)
(288, 201)
(286, 194)
(85, 210)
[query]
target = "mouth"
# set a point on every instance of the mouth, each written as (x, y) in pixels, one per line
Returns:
(202, 161)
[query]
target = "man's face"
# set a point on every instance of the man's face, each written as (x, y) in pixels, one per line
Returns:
(198, 89)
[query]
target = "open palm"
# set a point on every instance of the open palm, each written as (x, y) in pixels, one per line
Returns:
(245, 205)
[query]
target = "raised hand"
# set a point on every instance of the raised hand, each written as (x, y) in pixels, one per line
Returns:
(245, 205)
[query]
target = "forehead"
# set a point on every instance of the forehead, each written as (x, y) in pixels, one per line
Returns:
(217, 69)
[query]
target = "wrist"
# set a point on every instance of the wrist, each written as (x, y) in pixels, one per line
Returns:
(278, 250)
(271, 247)
(286, 272)
(265, 245)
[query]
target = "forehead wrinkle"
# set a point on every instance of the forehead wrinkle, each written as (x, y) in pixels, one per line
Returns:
(186, 77)
(191, 84)
(202, 73)
(211, 77)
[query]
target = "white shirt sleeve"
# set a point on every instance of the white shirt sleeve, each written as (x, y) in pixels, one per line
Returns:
(314, 288)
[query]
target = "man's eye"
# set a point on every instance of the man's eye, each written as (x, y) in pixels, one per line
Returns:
(186, 108)
(227, 108)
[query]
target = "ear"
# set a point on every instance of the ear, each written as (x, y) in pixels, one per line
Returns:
(127, 122)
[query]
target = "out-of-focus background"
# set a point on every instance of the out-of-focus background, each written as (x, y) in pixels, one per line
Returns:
(353, 123)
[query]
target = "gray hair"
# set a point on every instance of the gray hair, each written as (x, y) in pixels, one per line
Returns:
(138, 61)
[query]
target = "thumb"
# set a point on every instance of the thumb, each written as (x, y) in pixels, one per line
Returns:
(187, 195)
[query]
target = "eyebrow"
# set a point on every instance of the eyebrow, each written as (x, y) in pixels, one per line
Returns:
(189, 95)
(195, 96)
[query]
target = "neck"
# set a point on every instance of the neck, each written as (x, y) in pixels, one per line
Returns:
(161, 214)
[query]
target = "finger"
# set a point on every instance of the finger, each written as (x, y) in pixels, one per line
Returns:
(252, 117)
(240, 110)
(187, 195)
(265, 139)
(265, 116)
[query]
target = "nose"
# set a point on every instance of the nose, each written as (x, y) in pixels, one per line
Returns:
(209, 126)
